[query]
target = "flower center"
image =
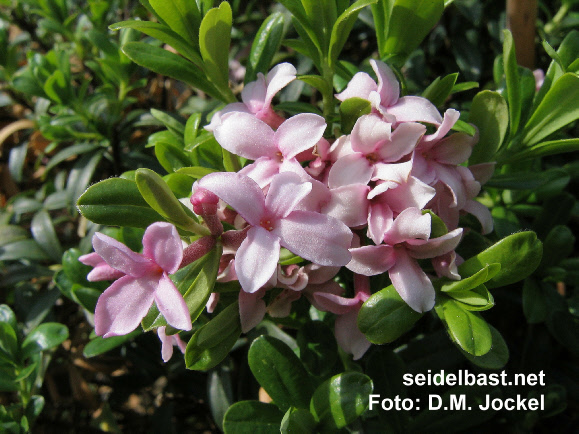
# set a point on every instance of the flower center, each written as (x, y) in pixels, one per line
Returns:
(372, 158)
(266, 224)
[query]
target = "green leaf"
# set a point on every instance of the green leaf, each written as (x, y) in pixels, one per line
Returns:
(297, 421)
(85, 296)
(179, 184)
(25, 373)
(100, 345)
(117, 202)
(316, 81)
(195, 282)
(44, 337)
(165, 35)
(343, 26)
(381, 12)
(7, 316)
(560, 107)
(265, 46)
(171, 121)
(527, 180)
(171, 157)
(12, 233)
(440, 89)
(214, 40)
(471, 282)
(496, 358)
(182, 16)
(196, 172)
(490, 113)
(351, 110)
(384, 317)
(71, 151)
(514, 96)
(341, 399)
(558, 245)
(535, 305)
(410, 22)
(318, 348)
(252, 417)
(192, 129)
(170, 64)
(160, 197)
(58, 88)
(34, 407)
(8, 340)
(22, 249)
(467, 329)
(279, 371)
(43, 232)
(476, 299)
(519, 255)
(212, 342)
(544, 149)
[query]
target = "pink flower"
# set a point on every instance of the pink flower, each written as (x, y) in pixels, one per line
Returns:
(385, 97)
(167, 343)
(123, 305)
(257, 97)
(275, 222)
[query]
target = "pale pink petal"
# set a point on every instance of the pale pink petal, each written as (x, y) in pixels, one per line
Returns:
(388, 85)
(123, 305)
(334, 303)
(179, 342)
(482, 213)
(239, 191)
(171, 304)
(278, 78)
(409, 225)
(359, 86)
(162, 244)
(262, 170)
(217, 116)
(349, 336)
(369, 133)
(380, 218)
(253, 94)
(245, 135)
(101, 270)
(412, 284)
(436, 246)
(119, 256)
(446, 266)
(298, 133)
(330, 287)
(315, 237)
(281, 306)
(320, 274)
(166, 344)
(403, 141)
(455, 149)
(251, 309)
(448, 121)
(482, 172)
(396, 172)
(348, 204)
(450, 177)
(285, 192)
(212, 302)
(351, 169)
(371, 260)
(411, 194)
(415, 109)
(256, 259)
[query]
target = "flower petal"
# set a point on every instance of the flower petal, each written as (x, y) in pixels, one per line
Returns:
(171, 304)
(412, 284)
(123, 305)
(166, 344)
(253, 94)
(316, 237)
(350, 169)
(349, 204)
(239, 191)
(349, 336)
(371, 260)
(298, 133)
(335, 303)
(262, 170)
(402, 142)
(436, 246)
(119, 256)
(380, 218)
(415, 109)
(162, 244)
(256, 259)
(481, 212)
(245, 135)
(388, 85)
(359, 86)
(285, 192)
(278, 78)
(369, 133)
(410, 224)
(251, 310)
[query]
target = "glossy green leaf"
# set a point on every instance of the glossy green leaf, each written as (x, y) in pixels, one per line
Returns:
(318, 348)
(172, 122)
(100, 345)
(519, 255)
(514, 97)
(505, 221)
(471, 282)
(117, 202)
(279, 371)
(43, 232)
(23, 249)
(384, 317)
(316, 81)
(297, 421)
(467, 329)
(544, 149)
(496, 358)
(535, 305)
(410, 22)
(381, 12)
(81, 174)
(341, 399)
(476, 299)
(556, 210)
(163, 34)
(220, 391)
(182, 16)
(265, 46)
(558, 245)
(195, 282)
(86, 297)
(490, 113)
(527, 180)
(212, 342)
(252, 417)
(166, 63)
(560, 107)
(440, 89)
(179, 183)
(214, 40)
(196, 172)
(351, 110)
(171, 157)
(192, 128)
(71, 151)
(7, 316)
(160, 197)
(44, 337)
(343, 26)
(8, 341)
(34, 407)
(25, 373)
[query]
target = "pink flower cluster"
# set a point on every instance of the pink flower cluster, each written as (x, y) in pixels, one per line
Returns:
(357, 201)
